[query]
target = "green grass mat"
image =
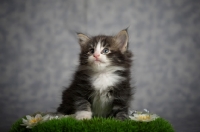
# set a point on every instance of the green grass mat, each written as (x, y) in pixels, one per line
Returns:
(95, 125)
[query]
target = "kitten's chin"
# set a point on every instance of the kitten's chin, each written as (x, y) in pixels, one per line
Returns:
(97, 62)
(99, 65)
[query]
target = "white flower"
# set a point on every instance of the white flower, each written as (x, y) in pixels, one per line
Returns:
(53, 117)
(143, 117)
(30, 121)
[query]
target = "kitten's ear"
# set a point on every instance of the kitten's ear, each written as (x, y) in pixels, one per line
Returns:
(82, 39)
(122, 40)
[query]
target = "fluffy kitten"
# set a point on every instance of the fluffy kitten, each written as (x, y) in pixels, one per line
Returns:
(101, 84)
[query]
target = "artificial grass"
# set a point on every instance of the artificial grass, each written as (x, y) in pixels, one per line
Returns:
(95, 125)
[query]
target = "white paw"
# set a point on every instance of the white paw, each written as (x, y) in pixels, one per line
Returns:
(80, 115)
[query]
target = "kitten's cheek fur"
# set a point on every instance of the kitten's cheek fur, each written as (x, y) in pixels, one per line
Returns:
(80, 115)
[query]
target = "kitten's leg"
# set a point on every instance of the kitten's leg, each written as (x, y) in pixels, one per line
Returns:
(83, 109)
(119, 110)
(122, 114)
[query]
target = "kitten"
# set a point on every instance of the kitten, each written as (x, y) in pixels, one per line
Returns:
(101, 84)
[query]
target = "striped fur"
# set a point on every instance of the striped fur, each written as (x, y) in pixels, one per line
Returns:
(101, 84)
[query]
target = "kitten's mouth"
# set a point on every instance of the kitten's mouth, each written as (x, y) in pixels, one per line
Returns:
(97, 61)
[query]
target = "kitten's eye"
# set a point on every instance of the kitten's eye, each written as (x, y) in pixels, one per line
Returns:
(105, 51)
(91, 51)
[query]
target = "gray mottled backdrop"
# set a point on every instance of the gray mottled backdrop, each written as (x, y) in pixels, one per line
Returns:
(39, 53)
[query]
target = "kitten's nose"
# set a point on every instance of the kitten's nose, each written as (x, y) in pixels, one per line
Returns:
(96, 55)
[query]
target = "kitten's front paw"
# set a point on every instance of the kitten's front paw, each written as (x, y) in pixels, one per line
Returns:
(122, 116)
(80, 115)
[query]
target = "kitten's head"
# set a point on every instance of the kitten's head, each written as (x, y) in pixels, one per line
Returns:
(100, 52)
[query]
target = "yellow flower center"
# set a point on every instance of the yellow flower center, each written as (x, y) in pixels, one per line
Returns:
(35, 120)
(144, 117)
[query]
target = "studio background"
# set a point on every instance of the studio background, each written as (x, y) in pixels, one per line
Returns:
(39, 53)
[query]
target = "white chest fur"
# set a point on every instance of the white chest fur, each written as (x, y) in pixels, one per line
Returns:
(102, 98)
(101, 81)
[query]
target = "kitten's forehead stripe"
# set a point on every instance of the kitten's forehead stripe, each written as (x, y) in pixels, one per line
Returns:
(98, 47)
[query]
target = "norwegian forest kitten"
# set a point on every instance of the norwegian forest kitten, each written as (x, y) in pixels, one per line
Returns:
(101, 84)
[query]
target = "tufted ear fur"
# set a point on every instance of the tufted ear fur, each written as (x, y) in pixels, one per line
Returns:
(82, 39)
(122, 40)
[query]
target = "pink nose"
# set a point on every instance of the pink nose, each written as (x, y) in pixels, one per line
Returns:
(96, 55)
